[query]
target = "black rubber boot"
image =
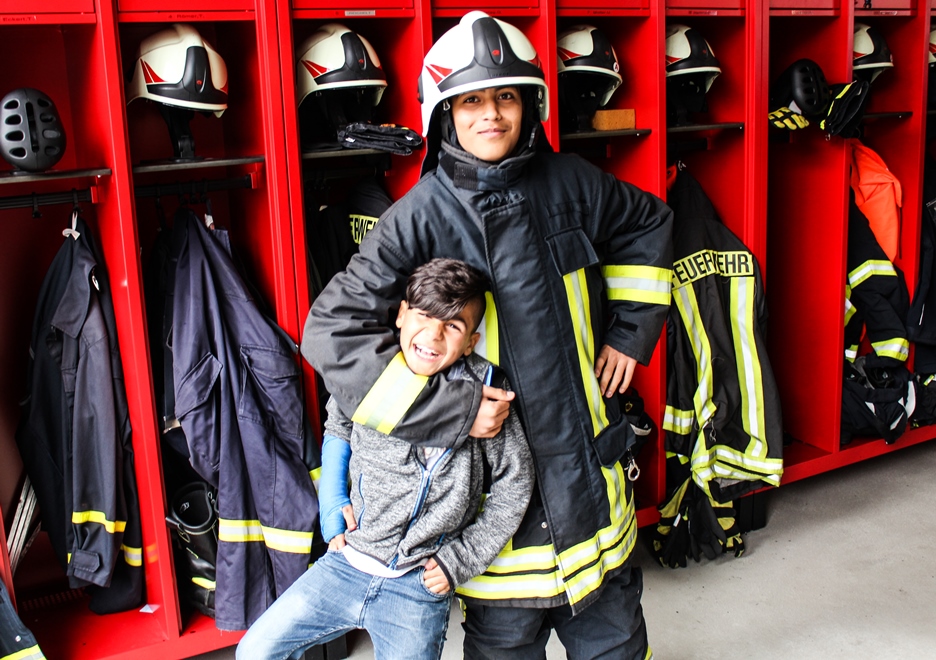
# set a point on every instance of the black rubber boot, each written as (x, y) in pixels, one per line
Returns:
(194, 517)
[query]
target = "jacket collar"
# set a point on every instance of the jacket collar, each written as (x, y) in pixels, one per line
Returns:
(73, 308)
(471, 173)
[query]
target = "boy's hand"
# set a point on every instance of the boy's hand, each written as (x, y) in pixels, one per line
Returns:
(495, 405)
(614, 371)
(337, 543)
(434, 578)
(348, 512)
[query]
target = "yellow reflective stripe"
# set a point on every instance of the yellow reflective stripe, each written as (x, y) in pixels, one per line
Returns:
(851, 352)
(646, 284)
(609, 548)
(511, 575)
(239, 531)
(849, 310)
(80, 517)
(897, 348)
(536, 558)
(678, 421)
(688, 307)
(750, 377)
(649, 654)
(579, 309)
(390, 397)
(32, 653)
(488, 346)
(245, 531)
(133, 556)
(721, 462)
(316, 475)
(204, 583)
(869, 268)
(287, 540)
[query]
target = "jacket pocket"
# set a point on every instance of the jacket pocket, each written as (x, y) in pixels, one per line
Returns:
(614, 441)
(571, 250)
(197, 385)
(197, 415)
(270, 391)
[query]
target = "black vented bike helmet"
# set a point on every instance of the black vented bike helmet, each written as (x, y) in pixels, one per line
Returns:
(802, 87)
(32, 139)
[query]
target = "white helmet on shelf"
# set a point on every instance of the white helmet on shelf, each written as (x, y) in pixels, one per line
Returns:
(177, 67)
(479, 52)
(334, 57)
(871, 56)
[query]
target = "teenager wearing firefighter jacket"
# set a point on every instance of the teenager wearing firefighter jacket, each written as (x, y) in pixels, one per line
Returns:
(238, 399)
(74, 434)
(576, 260)
(722, 404)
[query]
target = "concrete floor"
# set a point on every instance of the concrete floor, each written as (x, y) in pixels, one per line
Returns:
(845, 568)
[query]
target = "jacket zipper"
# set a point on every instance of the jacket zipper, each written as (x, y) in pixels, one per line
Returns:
(424, 483)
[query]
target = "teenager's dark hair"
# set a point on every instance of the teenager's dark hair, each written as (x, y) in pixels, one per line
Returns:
(444, 287)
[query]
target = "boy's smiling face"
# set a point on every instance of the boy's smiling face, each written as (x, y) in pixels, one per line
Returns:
(487, 121)
(431, 345)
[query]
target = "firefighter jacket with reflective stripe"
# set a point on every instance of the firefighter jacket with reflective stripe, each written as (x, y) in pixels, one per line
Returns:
(74, 434)
(576, 259)
(876, 296)
(16, 640)
(239, 400)
(408, 510)
(722, 404)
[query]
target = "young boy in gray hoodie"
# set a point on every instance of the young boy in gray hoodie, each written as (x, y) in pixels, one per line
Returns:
(416, 527)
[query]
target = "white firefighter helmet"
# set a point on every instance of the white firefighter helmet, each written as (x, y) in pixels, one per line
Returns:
(688, 52)
(334, 57)
(871, 56)
(479, 52)
(585, 49)
(177, 67)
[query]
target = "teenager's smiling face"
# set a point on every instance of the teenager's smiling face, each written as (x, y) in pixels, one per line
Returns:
(487, 121)
(431, 345)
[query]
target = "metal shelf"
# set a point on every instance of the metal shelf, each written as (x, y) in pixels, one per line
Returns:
(33, 177)
(591, 135)
(167, 166)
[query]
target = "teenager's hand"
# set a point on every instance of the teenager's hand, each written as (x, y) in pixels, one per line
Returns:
(614, 371)
(434, 578)
(495, 405)
(337, 543)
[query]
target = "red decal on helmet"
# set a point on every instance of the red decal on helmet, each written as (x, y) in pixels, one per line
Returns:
(565, 54)
(315, 69)
(149, 75)
(224, 88)
(437, 72)
(856, 55)
(536, 62)
(495, 52)
(933, 48)
(670, 59)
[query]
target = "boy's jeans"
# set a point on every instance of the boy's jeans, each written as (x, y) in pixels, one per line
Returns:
(404, 619)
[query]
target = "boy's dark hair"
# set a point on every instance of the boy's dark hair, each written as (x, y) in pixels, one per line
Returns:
(444, 287)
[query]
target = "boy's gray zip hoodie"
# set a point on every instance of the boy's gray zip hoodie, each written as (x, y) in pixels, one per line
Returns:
(407, 513)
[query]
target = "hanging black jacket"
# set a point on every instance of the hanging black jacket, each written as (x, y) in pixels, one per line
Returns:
(876, 296)
(74, 435)
(722, 403)
(238, 398)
